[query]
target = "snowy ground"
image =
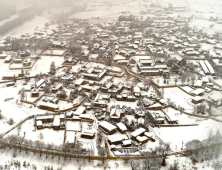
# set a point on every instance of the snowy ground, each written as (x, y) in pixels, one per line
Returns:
(176, 135)
(179, 97)
(41, 162)
(43, 64)
(55, 137)
(182, 118)
(110, 11)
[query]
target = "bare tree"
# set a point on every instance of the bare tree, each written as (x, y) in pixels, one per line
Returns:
(135, 164)
(151, 161)
(163, 150)
(102, 152)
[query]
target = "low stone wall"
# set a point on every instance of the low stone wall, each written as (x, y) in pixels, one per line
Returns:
(20, 68)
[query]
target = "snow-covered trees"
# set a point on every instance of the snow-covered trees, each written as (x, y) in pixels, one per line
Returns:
(163, 150)
(207, 149)
(52, 68)
(151, 161)
(11, 121)
(200, 108)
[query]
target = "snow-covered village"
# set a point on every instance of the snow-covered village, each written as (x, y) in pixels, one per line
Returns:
(107, 84)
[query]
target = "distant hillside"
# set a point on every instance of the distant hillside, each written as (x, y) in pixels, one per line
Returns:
(8, 8)
(46, 3)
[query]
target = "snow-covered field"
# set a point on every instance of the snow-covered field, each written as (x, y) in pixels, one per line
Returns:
(110, 11)
(179, 97)
(43, 64)
(42, 162)
(28, 131)
(176, 135)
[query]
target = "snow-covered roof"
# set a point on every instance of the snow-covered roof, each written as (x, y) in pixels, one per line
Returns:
(51, 105)
(119, 57)
(121, 126)
(108, 126)
(197, 98)
(141, 138)
(56, 122)
(138, 132)
(197, 91)
(79, 81)
(127, 142)
(79, 111)
(115, 138)
(39, 123)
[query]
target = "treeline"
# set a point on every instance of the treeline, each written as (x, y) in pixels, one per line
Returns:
(208, 149)
(24, 15)
(126, 18)
(8, 9)
(36, 8)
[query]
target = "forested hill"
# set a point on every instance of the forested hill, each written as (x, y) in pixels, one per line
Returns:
(8, 8)
(30, 9)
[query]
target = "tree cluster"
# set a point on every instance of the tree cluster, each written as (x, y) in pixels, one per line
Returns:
(207, 149)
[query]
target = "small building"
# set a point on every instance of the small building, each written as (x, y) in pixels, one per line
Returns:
(27, 62)
(57, 87)
(86, 117)
(56, 124)
(39, 83)
(89, 134)
(171, 118)
(150, 135)
(48, 106)
(39, 124)
(156, 106)
(115, 139)
(141, 121)
(197, 99)
(142, 139)
(107, 127)
(137, 133)
(100, 103)
(62, 117)
(80, 111)
(35, 93)
(115, 113)
(121, 127)
(126, 143)
(79, 82)
(70, 114)
(198, 92)
(8, 59)
(44, 118)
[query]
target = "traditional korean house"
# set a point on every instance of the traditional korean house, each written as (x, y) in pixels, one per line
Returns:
(34, 93)
(137, 132)
(48, 106)
(107, 127)
(197, 99)
(89, 134)
(115, 139)
(44, 118)
(121, 127)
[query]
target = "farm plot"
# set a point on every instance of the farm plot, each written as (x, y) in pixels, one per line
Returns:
(176, 135)
(44, 135)
(43, 64)
(179, 97)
